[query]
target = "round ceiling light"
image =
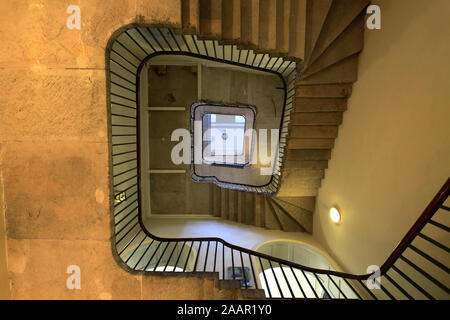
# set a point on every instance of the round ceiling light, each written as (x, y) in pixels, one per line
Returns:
(335, 215)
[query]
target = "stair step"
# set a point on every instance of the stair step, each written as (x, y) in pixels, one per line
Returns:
(253, 294)
(306, 203)
(317, 12)
(231, 20)
(224, 203)
(272, 220)
(250, 22)
(308, 154)
(316, 118)
(341, 14)
(320, 104)
(211, 19)
(216, 202)
(249, 204)
(283, 23)
(302, 216)
(296, 191)
(287, 221)
(297, 29)
(304, 174)
(190, 16)
(318, 164)
(241, 207)
(290, 182)
(259, 210)
(228, 284)
(299, 143)
(345, 71)
(325, 91)
(350, 42)
(300, 131)
(267, 25)
(232, 205)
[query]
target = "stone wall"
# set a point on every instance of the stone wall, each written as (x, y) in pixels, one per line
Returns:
(54, 160)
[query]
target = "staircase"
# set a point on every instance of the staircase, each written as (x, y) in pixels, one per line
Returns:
(290, 214)
(325, 38)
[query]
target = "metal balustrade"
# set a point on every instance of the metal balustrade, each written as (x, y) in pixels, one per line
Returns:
(403, 276)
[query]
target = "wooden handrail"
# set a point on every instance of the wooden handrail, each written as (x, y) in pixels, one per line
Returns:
(429, 211)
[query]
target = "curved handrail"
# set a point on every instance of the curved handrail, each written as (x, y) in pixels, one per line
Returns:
(432, 207)
(122, 101)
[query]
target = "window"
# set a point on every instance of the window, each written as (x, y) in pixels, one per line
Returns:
(223, 134)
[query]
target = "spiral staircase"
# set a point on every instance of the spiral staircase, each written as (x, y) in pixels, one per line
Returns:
(325, 38)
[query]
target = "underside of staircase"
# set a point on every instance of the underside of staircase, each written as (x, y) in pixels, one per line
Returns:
(325, 38)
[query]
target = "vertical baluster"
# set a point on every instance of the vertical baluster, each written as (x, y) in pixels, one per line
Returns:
(170, 256)
(276, 279)
(323, 287)
(142, 256)
(215, 256)
(179, 256)
(151, 258)
(253, 271)
(399, 287)
(223, 261)
(343, 294)
(298, 283)
(309, 283)
(367, 289)
(189, 254)
(232, 263)
(243, 270)
(160, 258)
(198, 256)
(206, 258)
(265, 279)
(287, 282)
(353, 290)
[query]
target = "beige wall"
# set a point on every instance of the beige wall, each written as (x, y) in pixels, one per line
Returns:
(393, 150)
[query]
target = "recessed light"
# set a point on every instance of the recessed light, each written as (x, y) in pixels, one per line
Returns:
(335, 215)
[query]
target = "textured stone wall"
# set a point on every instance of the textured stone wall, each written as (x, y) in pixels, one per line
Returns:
(54, 151)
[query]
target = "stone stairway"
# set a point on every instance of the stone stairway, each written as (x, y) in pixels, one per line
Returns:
(325, 38)
(291, 214)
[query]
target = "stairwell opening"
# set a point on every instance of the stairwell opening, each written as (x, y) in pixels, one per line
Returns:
(129, 52)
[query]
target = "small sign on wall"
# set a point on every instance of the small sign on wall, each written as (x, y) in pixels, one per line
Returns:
(119, 197)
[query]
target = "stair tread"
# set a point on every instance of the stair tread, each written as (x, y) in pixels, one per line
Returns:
(302, 216)
(313, 131)
(345, 71)
(321, 164)
(250, 22)
(308, 154)
(320, 104)
(231, 20)
(190, 16)
(272, 221)
(297, 29)
(324, 91)
(347, 44)
(211, 18)
(267, 25)
(316, 118)
(287, 221)
(283, 14)
(306, 203)
(340, 15)
(317, 12)
(310, 143)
